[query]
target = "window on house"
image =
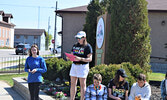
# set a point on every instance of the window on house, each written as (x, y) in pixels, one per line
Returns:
(17, 36)
(7, 42)
(7, 33)
(35, 37)
(25, 37)
(3, 33)
(2, 43)
(35, 41)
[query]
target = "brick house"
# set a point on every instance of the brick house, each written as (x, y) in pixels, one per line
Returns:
(6, 30)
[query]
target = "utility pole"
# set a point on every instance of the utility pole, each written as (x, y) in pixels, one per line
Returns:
(55, 29)
(48, 32)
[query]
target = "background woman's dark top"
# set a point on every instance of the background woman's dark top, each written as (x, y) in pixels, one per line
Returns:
(118, 91)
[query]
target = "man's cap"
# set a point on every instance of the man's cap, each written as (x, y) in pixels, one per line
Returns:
(80, 34)
(121, 72)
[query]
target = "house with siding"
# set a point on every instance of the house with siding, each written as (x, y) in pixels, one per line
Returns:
(73, 20)
(6, 30)
(30, 36)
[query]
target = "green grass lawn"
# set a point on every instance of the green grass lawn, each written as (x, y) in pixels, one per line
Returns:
(156, 76)
(8, 77)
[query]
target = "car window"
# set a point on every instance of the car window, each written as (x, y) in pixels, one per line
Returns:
(59, 47)
(20, 46)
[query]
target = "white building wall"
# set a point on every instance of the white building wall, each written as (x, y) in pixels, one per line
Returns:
(1, 18)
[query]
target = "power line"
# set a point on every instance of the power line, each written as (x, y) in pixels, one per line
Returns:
(27, 6)
(39, 7)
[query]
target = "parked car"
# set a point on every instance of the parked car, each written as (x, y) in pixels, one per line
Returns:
(57, 50)
(22, 48)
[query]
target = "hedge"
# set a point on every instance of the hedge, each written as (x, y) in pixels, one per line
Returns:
(59, 68)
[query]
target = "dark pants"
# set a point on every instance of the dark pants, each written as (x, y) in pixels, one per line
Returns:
(34, 90)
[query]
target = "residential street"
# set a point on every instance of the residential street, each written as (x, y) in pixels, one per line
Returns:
(11, 53)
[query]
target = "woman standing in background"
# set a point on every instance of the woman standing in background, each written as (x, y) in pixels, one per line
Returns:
(35, 65)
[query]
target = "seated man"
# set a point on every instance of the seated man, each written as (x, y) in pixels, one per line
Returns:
(140, 90)
(96, 91)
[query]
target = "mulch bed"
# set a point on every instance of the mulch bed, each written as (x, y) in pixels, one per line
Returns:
(155, 90)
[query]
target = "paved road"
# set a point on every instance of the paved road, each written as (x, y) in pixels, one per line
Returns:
(11, 53)
(7, 93)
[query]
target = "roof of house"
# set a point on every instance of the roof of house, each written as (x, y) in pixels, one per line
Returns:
(2, 13)
(5, 23)
(157, 5)
(19, 31)
(153, 5)
(8, 15)
(78, 9)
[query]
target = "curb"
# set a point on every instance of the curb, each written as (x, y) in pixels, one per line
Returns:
(21, 86)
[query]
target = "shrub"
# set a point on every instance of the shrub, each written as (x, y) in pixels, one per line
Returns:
(130, 33)
(57, 68)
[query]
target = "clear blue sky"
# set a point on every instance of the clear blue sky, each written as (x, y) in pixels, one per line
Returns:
(26, 13)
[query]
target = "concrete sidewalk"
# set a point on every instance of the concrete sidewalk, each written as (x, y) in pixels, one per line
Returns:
(7, 92)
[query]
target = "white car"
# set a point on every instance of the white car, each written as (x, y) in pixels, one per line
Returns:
(57, 50)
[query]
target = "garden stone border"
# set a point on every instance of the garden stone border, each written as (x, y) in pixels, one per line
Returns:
(21, 86)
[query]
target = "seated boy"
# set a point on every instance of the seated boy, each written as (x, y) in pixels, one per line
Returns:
(140, 90)
(96, 91)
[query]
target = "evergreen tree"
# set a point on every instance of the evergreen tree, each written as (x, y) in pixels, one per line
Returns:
(90, 26)
(130, 33)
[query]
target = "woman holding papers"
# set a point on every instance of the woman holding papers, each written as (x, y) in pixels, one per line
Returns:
(80, 67)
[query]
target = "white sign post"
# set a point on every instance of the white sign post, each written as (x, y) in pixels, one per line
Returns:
(100, 33)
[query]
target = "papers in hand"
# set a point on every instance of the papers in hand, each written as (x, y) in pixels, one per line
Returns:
(70, 56)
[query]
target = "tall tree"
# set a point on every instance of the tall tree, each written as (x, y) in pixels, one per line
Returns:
(48, 40)
(90, 26)
(95, 9)
(130, 33)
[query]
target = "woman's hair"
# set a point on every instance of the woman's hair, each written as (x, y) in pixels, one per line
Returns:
(85, 42)
(166, 75)
(116, 80)
(97, 77)
(34, 45)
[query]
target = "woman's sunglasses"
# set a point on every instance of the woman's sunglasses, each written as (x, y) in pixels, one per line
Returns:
(79, 38)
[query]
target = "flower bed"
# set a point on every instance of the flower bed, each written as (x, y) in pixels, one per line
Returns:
(58, 89)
